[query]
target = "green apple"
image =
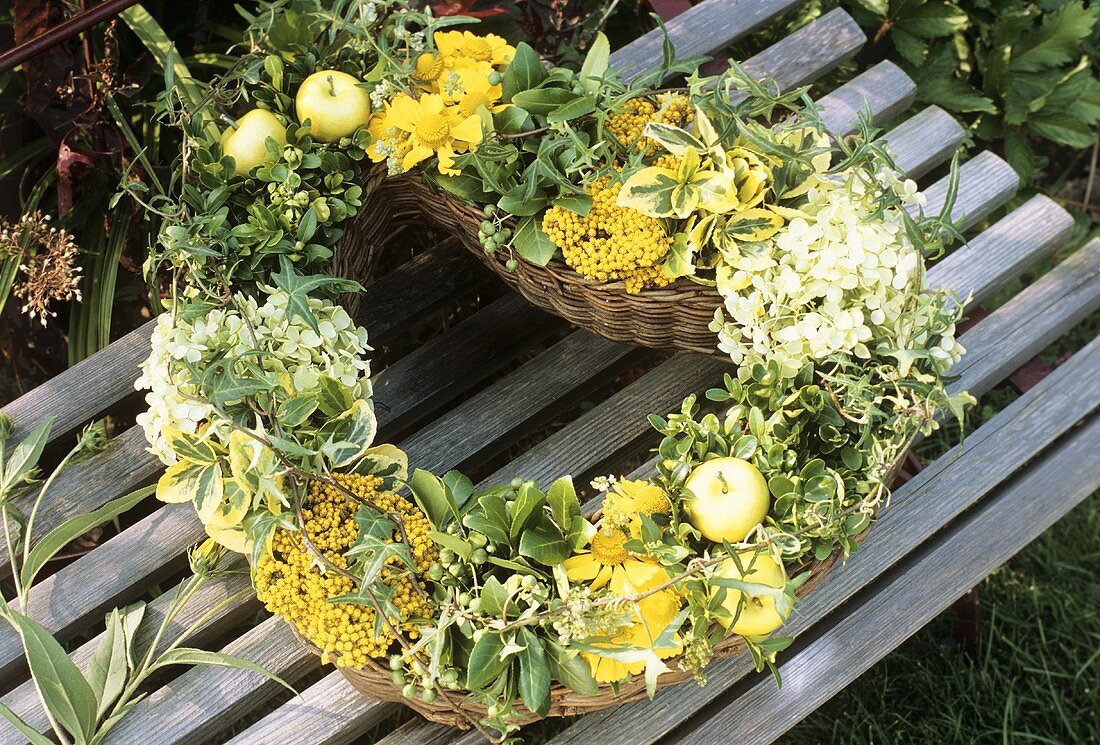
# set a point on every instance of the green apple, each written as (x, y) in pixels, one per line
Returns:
(758, 616)
(334, 104)
(247, 143)
(726, 498)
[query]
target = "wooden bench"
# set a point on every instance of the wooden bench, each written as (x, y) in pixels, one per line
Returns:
(451, 404)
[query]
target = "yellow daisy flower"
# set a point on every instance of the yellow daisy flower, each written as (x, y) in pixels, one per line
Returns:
(606, 561)
(651, 615)
(433, 129)
(428, 68)
(470, 88)
(458, 46)
(633, 498)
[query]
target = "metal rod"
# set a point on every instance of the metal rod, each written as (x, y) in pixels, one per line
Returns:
(64, 31)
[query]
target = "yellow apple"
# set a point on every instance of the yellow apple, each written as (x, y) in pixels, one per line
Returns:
(247, 142)
(758, 616)
(334, 104)
(726, 498)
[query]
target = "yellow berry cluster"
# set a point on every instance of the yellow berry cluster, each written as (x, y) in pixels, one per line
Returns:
(611, 242)
(627, 125)
(291, 582)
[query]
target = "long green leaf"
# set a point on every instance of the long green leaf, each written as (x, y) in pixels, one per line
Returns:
(534, 675)
(73, 528)
(33, 736)
(192, 656)
(168, 57)
(67, 695)
(24, 457)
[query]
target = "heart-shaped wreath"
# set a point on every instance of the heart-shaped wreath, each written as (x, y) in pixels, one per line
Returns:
(719, 202)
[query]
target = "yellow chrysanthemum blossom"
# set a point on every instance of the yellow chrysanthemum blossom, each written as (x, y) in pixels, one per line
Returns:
(606, 561)
(428, 69)
(468, 87)
(290, 583)
(651, 616)
(628, 500)
(431, 128)
(460, 47)
(611, 242)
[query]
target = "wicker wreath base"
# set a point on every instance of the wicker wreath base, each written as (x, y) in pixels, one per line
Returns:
(676, 317)
(376, 681)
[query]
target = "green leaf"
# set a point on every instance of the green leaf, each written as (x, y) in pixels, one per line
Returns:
(33, 735)
(350, 434)
(532, 243)
(296, 410)
(493, 597)
(528, 499)
(534, 674)
(432, 498)
(541, 101)
(579, 203)
(575, 109)
(523, 73)
(73, 528)
(569, 669)
(595, 63)
(192, 656)
(564, 505)
(1057, 41)
(932, 20)
(491, 518)
(24, 456)
(68, 696)
(544, 544)
(461, 547)
(298, 288)
(109, 666)
(485, 664)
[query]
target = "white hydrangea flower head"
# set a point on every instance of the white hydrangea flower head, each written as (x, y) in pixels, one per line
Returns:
(337, 349)
(834, 281)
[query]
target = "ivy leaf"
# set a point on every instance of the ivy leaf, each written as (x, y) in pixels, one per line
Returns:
(532, 243)
(298, 288)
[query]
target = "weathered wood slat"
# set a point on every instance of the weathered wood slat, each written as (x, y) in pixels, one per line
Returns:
(123, 467)
(1027, 323)
(1003, 251)
(924, 140)
(985, 183)
(807, 54)
(85, 389)
(313, 716)
(585, 443)
(953, 483)
(704, 29)
(534, 392)
(615, 424)
(231, 594)
(884, 88)
(465, 355)
(885, 615)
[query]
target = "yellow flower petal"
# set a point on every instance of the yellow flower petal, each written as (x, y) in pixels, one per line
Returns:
(403, 112)
(468, 130)
(581, 567)
(416, 155)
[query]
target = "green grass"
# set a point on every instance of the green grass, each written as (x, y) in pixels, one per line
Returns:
(1038, 675)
